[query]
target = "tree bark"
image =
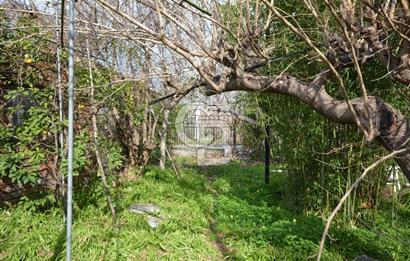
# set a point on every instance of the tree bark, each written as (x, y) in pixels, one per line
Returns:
(95, 139)
(163, 142)
(392, 128)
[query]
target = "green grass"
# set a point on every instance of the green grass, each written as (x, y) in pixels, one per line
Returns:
(185, 234)
(258, 225)
(211, 214)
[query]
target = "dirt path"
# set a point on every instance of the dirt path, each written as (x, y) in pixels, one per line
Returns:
(226, 253)
(217, 238)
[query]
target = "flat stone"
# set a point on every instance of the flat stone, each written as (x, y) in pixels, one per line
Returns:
(150, 209)
(154, 222)
(151, 212)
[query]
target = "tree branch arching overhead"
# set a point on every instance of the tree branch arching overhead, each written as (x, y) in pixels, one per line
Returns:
(222, 46)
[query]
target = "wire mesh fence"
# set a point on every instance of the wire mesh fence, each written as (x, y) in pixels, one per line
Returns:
(207, 130)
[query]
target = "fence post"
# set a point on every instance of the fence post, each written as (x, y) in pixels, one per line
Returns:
(70, 137)
(267, 153)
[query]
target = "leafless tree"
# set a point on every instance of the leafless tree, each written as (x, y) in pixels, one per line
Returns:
(218, 46)
(174, 47)
(224, 45)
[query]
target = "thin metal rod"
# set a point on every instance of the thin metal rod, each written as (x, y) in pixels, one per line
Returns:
(267, 154)
(70, 137)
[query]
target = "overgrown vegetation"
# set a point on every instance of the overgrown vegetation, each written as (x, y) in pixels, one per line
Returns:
(210, 214)
(31, 161)
(322, 158)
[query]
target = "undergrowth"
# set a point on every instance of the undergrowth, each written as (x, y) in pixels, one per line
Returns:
(258, 224)
(212, 213)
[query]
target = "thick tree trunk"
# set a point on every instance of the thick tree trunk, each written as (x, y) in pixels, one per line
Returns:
(134, 140)
(395, 134)
(391, 128)
(163, 142)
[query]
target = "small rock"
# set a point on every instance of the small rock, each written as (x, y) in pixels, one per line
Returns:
(364, 258)
(145, 209)
(154, 222)
(151, 211)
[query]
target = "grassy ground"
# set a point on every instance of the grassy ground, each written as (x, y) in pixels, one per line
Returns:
(211, 214)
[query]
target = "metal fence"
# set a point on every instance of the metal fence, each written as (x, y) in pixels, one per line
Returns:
(214, 130)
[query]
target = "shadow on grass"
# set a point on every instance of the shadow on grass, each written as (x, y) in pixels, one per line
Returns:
(59, 246)
(248, 210)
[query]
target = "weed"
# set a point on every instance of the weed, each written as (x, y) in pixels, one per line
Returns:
(210, 214)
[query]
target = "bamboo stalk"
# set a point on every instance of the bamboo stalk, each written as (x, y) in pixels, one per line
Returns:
(346, 195)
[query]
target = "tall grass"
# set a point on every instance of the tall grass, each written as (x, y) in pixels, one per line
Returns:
(184, 235)
(258, 223)
(214, 213)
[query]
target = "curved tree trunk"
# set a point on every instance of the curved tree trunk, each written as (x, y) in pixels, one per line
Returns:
(391, 128)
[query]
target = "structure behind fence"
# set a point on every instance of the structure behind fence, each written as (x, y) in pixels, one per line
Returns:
(205, 134)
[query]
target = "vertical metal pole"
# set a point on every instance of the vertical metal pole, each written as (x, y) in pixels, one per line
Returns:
(70, 127)
(267, 154)
(197, 132)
